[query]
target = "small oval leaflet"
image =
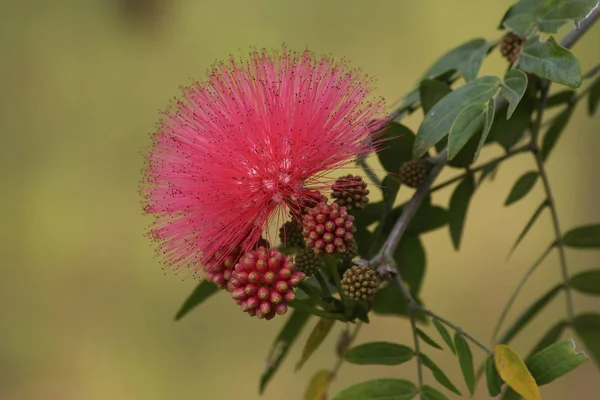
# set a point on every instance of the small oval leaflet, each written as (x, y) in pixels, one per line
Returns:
(514, 372)
(379, 353)
(379, 389)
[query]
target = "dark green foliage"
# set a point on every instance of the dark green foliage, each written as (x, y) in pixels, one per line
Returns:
(438, 374)
(379, 353)
(432, 91)
(444, 334)
(529, 224)
(587, 327)
(396, 147)
(459, 204)
(550, 61)
(508, 132)
(494, 382)
(465, 359)
(551, 336)
(430, 393)
(583, 237)
(202, 292)
(513, 89)
(594, 97)
(423, 336)
(587, 282)
(468, 122)
(554, 361)
(554, 131)
(522, 186)
(411, 261)
(379, 389)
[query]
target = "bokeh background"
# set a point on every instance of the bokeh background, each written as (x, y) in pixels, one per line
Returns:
(86, 312)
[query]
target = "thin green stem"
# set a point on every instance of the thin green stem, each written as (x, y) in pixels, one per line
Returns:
(372, 176)
(323, 284)
(509, 153)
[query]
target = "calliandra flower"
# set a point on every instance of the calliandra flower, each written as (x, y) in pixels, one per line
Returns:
(247, 146)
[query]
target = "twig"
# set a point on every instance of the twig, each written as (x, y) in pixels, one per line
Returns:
(510, 153)
(578, 30)
(372, 176)
(346, 340)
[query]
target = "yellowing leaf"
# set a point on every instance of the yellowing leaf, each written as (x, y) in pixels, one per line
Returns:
(514, 372)
(317, 387)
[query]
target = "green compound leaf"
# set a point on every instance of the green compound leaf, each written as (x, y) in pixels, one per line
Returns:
(465, 359)
(554, 131)
(287, 336)
(522, 186)
(438, 374)
(513, 89)
(459, 204)
(554, 361)
(529, 313)
(410, 259)
(468, 122)
(487, 127)
(530, 223)
(200, 294)
(471, 65)
(587, 327)
(318, 334)
(508, 132)
(587, 236)
(439, 119)
(430, 393)
(594, 97)
(561, 98)
(379, 353)
(550, 61)
(379, 389)
(587, 282)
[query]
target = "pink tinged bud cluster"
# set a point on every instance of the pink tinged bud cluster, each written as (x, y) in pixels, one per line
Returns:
(328, 228)
(263, 282)
(221, 274)
(236, 151)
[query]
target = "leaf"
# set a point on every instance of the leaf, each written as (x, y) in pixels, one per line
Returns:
(507, 132)
(455, 58)
(471, 65)
(513, 88)
(459, 204)
(487, 127)
(287, 336)
(513, 371)
(560, 98)
(396, 147)
(202, 292)
(467, 123)
(551, 61)
(558, 125)
(494, 382)
(439, 119)
(549, 338)
(318, 384)
(530, 223)
(379, 389)
(554, 361)
(427, 219)
(465, 359)
(379, 353)
(444, 334)
(429, 393)
(410, 260)
(389, 300)
(529, 313)
(431, 92)
(521, 187)
(587, 282)
(587, 327)
(583, 237)
(438, 374)
(427, 339)
(318, 334)
(594, 97)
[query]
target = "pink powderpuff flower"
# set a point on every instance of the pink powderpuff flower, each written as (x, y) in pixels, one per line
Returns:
(247, 146)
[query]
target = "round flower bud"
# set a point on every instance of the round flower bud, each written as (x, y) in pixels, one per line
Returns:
(221, 274)
(263, 282)
(359, 283)
(308, 262)
(510, 46)
(413, 173)
(350, 191)
(328, 229)
(290, 234)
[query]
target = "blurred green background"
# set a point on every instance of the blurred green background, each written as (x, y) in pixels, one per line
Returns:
(86, 312)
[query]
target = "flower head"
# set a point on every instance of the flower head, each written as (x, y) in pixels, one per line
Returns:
(249, 144)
